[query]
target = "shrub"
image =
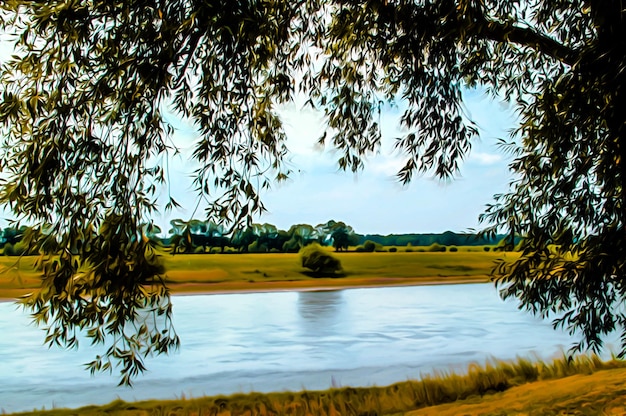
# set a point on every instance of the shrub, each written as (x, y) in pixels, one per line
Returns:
(369, 246)
(392, 249)
(453, 249)
(14, 250)
(8, 249)
(254, 247)
(487, 248)
(314, 257)
(435, 248)
(291, 246)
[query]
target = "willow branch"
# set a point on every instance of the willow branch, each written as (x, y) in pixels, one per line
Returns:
(524, 36)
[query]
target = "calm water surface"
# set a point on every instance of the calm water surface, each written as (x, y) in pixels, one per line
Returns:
(284, 341)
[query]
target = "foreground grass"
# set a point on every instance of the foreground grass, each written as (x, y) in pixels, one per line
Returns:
(277, 271)
(600, 393)
(585, 385)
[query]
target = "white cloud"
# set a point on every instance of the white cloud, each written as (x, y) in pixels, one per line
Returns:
(485, 158)
(387, 166)
(303, 126)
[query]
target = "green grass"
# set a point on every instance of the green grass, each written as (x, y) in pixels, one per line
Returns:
(232, 272)
(283, 271)
(476, 386)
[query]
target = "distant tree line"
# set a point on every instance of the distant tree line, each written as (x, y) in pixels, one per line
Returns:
(447, 238)
(203, 236)
(196, 236)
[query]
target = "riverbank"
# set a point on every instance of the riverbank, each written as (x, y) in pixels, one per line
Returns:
(563, 395)
(227, 273)
(600, 393)
(584, 386)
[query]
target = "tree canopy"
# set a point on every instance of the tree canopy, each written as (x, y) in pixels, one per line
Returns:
(85, 142)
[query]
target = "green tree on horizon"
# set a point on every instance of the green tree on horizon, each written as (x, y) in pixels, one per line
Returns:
(341, 234)
(84, 140)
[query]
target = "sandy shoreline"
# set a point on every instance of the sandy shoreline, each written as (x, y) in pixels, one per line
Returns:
(305, 286)
(318, 288)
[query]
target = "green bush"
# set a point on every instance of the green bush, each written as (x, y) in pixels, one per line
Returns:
(436, 248)
(14, 250)
(255, 248)
(487, 248)
(8, 249)
(314, 257)
(453, 249)
(392, 249)
(369, 246)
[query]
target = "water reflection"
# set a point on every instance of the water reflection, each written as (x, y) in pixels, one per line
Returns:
(320, 312)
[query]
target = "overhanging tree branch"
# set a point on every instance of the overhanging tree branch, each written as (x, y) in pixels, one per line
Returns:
(502, 32)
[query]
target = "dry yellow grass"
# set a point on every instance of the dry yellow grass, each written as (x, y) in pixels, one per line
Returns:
(601, 393)
(197, 273)
(17, 277)
(586, 386)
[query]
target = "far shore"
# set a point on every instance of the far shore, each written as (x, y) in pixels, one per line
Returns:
(375, 283)
(303, 286)
(251, 273)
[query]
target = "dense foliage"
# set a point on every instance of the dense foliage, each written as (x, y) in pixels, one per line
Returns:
(196, 236)
(323, 263)
(188, 236)
(447, 238)
(85, 143)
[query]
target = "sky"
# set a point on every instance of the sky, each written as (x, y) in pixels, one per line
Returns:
(371, 201)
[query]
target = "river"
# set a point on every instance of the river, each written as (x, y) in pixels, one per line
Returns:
(285, 341)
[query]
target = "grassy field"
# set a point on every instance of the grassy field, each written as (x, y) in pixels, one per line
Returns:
(584, 386)
(193, 273)
(17, 277)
